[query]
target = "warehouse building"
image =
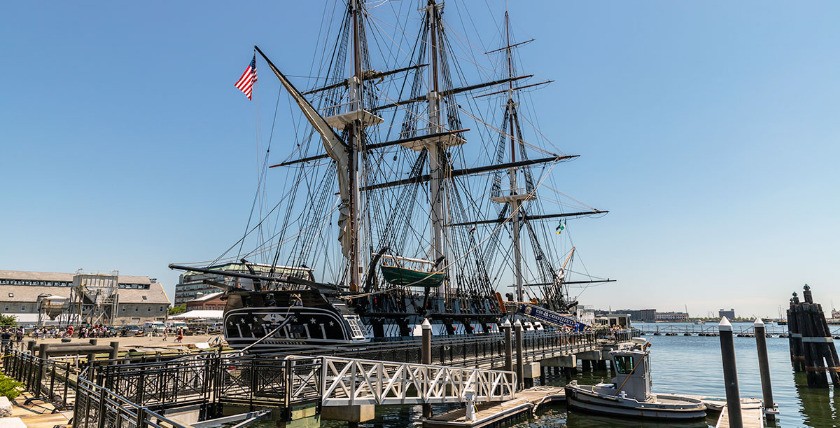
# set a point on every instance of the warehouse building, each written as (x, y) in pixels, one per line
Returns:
(80, 298)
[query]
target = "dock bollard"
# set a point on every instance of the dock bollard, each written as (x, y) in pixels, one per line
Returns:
(469, 411)
(508, 346)
(426, 357)
(764, 369)
(730, 374)
(517, 326)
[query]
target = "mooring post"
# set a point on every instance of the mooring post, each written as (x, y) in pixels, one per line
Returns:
(730, 374)
(764, 370)
(426, 352)
(797, 355)
(115, 347)
(508, 346)
(517, 326)
(426, 357)
(42, 351)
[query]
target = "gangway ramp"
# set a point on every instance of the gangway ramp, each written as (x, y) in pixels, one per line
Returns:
(351, 382)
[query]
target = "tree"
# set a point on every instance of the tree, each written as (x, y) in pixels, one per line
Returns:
(8, 321)
(178, 309)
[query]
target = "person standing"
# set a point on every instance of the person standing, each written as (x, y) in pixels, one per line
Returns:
(5, 339)
(180, 335)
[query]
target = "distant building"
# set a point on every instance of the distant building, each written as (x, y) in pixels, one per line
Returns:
(611, 319)
(80, 298)
(207, 302)
(671, 316)
(730, 314)
(192, 285)
(639, 315)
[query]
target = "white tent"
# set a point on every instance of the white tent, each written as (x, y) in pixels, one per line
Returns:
(209, 315)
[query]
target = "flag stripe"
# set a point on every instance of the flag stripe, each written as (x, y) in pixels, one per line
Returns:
(248, 78)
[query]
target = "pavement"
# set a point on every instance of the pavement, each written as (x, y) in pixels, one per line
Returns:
(134, 342)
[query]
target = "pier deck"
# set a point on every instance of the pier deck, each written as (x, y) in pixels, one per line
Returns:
(526, 401)
(751, 414)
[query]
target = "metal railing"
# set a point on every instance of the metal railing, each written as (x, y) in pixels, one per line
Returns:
(126, 393)
(353, 381)
(159, 385)
(97, 406)
(478, 351)
(48, 380)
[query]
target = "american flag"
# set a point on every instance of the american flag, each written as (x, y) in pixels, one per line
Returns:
(249, 77)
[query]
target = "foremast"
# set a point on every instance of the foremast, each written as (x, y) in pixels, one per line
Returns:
(345, 149)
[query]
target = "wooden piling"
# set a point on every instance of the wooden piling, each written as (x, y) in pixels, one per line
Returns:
(508, 346)
(819, 355)
(764, 369)
(730, 374)
(797, 355)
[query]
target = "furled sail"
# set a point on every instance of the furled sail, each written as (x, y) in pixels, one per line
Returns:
(336, 149)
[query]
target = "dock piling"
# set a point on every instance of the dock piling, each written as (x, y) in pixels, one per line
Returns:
(426, 357)
(508, 346)
(730, 374)
(812, 345)
(519, 360)
(764, 369)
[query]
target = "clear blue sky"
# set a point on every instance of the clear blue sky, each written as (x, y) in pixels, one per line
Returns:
(708, 129)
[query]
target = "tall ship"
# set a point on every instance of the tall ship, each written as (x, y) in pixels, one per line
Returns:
(417, 187)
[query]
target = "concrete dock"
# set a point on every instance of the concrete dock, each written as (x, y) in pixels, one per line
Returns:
(526, 402)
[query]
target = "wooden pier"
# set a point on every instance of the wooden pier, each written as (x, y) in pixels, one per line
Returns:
(526, 403)
(752, 414)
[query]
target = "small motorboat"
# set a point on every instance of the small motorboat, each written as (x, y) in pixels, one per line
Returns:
(629, 393)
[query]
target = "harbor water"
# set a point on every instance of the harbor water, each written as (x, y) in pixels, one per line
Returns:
(687, 365)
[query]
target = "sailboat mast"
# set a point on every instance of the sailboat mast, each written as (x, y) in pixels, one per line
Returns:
(355, 145)
(437, 160)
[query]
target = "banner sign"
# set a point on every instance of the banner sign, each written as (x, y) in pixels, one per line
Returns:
(547, 315)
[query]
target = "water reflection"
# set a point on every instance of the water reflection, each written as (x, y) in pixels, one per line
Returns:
(818, 406)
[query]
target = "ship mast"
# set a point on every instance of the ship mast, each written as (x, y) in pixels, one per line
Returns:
(437, 150)
(517, 246)
(355, 145)
(514, 197)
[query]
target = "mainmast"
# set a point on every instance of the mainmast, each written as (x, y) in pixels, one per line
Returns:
(437, 148)
(355, 144)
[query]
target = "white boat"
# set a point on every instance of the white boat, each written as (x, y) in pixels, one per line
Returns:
(629, 393)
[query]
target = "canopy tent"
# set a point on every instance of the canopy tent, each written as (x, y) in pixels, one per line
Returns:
(202, 314)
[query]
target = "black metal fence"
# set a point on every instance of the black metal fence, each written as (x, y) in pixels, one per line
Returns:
(135, 393)
(97, 406)
(48, 380)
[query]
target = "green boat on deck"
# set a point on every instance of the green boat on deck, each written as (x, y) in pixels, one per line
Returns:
(411, 277)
